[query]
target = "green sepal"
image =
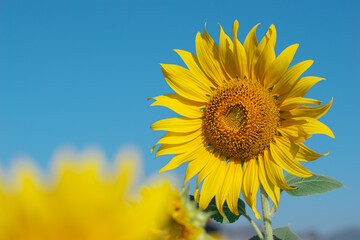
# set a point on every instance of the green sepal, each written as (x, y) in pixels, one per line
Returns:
(282, 233)
(315, 184)
(230, 217)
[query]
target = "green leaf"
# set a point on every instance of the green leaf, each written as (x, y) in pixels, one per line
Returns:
(230, 217)
(256, 238)
(282, 233)
(315, 184)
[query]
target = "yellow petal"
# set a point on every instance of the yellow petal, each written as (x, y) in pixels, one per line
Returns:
(250, 45)
(235, 186)
(271, 34)
(226, 53)
(291, 103)
(208, 56)
(309, 125)
(211, 185)
(279, 66)
(179, 125)
(193, 64)
(266, 58)
(181, 148)
(196, 194)
(184, 74)
(213, 160)
(175, 162)
(180, 159)
(240, 58)
(250, 184)
(303, 85)
(274, 172)
(177, 138)
(193, 168)
(288, 80)
(185, 87)
(196, 164)
(180, 105)
(306, 154)
(223, 190)
(294, 133)
(305, 111)
(283, 153)
(272, 190)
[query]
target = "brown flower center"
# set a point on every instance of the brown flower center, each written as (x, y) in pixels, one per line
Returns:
(240, 119)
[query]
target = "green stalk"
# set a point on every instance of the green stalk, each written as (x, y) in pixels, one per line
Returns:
(272, 211)
(266, 214)
(261, 237)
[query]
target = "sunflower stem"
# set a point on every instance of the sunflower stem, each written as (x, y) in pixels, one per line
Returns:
(261, 237)
(272, 211)
(266, 214)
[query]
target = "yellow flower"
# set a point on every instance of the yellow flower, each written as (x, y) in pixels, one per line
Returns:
(79, 201)
(84, 200)
(242, 117)
(183, 220)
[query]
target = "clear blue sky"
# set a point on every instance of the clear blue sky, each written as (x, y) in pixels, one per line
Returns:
(79, 72)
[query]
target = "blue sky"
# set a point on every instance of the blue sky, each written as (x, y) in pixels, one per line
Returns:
(78, 73)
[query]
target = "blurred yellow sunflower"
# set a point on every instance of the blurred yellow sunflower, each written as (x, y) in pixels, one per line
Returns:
(84, 200)
(182, 221)
(243, 119)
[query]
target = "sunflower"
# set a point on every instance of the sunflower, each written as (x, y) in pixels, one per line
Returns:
(79, 200)
(243, 117)
(83, 201)
(182, 221)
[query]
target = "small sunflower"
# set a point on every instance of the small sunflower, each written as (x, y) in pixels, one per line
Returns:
(243, 117)
(182, 221)
(82, 201)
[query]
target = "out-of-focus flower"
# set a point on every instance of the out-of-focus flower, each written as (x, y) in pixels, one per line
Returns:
(183, 219)
(242, 117)
(84, 200)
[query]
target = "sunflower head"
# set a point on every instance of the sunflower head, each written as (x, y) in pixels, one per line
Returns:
(243, 118)
(183, 219)
(240, 119)
(84, 200)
